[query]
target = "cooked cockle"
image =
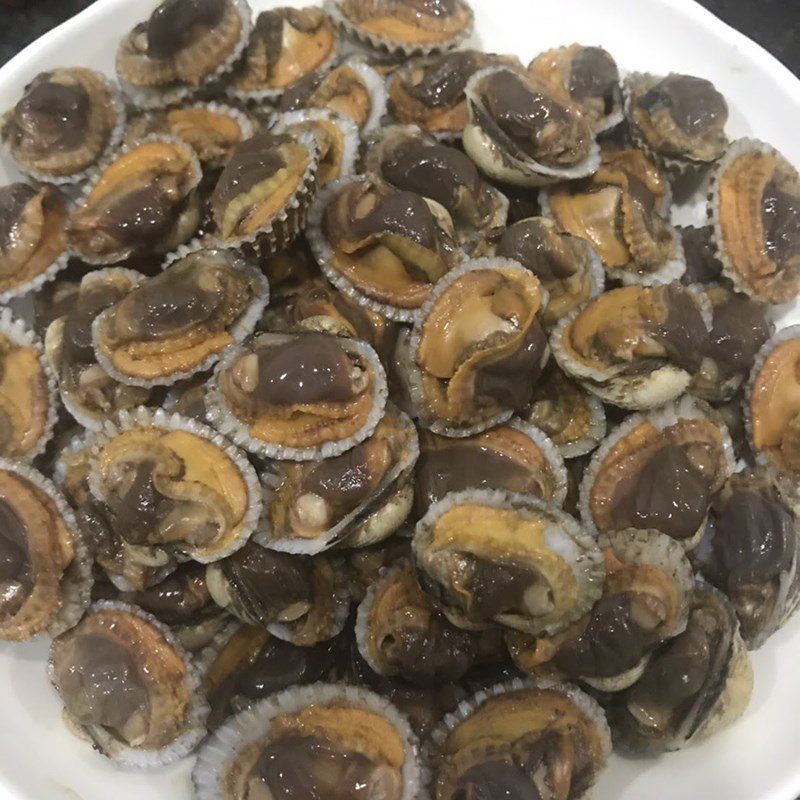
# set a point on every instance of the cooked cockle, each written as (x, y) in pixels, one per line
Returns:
(366, 564)
(143, 202)
(64, 123)
(183, 603)
(128, 686)
(566, 265)
(27, 392)
(180, 322)
(590, 77)
(285, 45)
(210, 129)
(87, 391)
(645, 601)
(750, 552)
(424, 706)
(693, 686)
(702, 264)
(520, 741)
(477, 347)
(245, 664)
(353, 89)
(324, 740)
(300, 396)
(679, 118)
(772, 410)
(514, 457)
(168, 488)
(318, 306)
(46, 574)
(400, 632)
(429, 91)
(739, 327)
(188, 398)
(573, 418)
(71, 467)
(33, 238)
(418, 26)
(637, 347)
(658, 471)
(301, 599)
(412, 161)
(263, 190)
(53, 300)
(182, 45)
(357, 498)
(289, 270)
(754, 207)
(336, 135)
(492, 556)
(523, 132)
(622, 211)
(383, 247)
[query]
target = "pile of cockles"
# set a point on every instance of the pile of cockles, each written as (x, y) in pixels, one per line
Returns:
(368, 429)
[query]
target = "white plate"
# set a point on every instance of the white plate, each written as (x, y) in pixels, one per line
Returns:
(759, 757)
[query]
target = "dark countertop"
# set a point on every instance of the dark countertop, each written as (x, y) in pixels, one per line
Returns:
(775, 24)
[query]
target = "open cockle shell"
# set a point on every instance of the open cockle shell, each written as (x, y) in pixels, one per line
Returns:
(679, 119)
(33, 245)
(87, 391)
(574, 419)
(374, 474)
(214, 491)
(353, 88)
(260, 200)
(645, 601)
(477, 347)
(162, 174)
(285, 45)
(694, 685)
(28, 395)
(162, 357)
(623, 211)
(750, 551)
(299, 599)
(403, 28)
(500, 725)
(410, 160)
(61, 159)
(636, 347)
(244, 664)
(591, 78)
(294, 430)
(400, 632)
(49, 587)
(211, 129)
(740, 325)
(348, 716)
(759, 251)
(547, 570)
(171, 77)
(168, 723)
(700, 460)
(429, 91)
(567, 266)
(488, 144)
(336, 134)
(381, 267)
(772, 411)
(516, 457)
